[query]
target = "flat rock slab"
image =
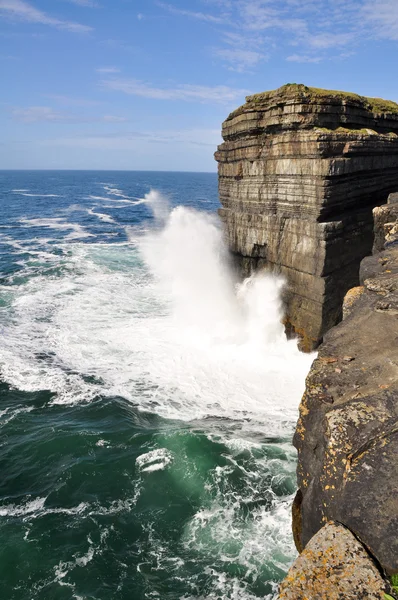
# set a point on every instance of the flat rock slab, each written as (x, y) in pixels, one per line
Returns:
(333, 566)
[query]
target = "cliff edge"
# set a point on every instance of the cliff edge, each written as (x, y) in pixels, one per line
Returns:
(347, 436)
(300, 171)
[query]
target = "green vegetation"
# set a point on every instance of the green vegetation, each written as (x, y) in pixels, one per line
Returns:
(376, 105)
(394, 584)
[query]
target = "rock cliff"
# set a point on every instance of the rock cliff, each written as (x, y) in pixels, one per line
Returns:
(300, 171)
(334, 566)
(347, 433)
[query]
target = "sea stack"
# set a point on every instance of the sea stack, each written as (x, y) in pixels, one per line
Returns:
(300, 171)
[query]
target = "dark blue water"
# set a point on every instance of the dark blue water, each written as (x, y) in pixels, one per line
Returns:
(146, 410)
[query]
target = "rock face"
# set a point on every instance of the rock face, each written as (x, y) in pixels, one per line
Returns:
(347, 433)
(300, 171)
(334, 566)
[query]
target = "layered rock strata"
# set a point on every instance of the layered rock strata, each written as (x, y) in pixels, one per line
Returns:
(300, 170)
(347, 433)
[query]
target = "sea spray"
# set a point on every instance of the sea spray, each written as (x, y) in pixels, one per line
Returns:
(190, 262)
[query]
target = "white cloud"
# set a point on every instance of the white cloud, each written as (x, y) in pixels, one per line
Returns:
(88, 3)
(128, 140)
(26, 12)
(108, 70)
(300, 58)
(382, 17)
(38, 114)
(238, 59)
(113, 119)
(192, 14)
(34, 114)
(326, 40)
(72, 100)
(320, 29)
(220, 94)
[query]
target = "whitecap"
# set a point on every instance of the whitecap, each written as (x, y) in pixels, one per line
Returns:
(78, 231)
(155, 460)
(101, 216)
(38, 195)
(21, 510)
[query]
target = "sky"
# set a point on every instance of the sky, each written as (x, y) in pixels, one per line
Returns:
(146, 84)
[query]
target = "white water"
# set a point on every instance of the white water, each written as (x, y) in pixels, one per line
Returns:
(185, 327)
(162, 322)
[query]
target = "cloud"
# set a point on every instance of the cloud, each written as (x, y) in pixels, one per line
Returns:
(192, 14)
(113, 119)
(220, 94)
(127, 140)
(326, 40)
(26, 12)
(120, 45)
(320, 29)
(88, 3)
(258, 16)
(239, 59)
(108, 70)
(39, 114)
(72, 100)
(382, 17)
(300, 58)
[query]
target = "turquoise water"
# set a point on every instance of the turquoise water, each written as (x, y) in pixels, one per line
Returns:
(147, 400)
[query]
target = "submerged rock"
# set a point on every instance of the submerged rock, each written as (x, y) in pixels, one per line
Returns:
(300, 171)
(334, 566)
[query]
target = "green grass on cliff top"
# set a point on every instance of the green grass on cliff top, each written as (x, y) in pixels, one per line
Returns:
(376, 105)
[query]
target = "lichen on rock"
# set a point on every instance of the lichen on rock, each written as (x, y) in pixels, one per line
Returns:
(333, 566)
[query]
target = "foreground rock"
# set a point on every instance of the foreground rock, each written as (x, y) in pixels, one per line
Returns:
(334, 566)
(347, 434)
(300, 170)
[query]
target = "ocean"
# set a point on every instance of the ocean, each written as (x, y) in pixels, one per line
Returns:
(147, 398)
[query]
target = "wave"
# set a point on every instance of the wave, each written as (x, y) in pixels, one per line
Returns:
(36, 195)
(114, 191)
(180, 322)
(101, 216)
(78, 231)
(162, 322)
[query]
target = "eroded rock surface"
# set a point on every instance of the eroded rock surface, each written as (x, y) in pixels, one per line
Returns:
(334, 566)
(300, 171)
(347, 433)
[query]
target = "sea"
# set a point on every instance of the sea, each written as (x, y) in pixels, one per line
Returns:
(147, 396)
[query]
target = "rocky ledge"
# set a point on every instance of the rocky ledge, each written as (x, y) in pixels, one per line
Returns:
(347, 435)
(300, 171)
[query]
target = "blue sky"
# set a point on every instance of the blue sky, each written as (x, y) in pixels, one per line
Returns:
(146, 84)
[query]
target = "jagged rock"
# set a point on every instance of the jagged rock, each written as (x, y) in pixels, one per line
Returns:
(347, 433)
(300, 171)
(333, 566)
(386, 224)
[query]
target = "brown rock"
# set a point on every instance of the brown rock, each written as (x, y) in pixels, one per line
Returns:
(300, 171)
(333, 566)
(347, 451)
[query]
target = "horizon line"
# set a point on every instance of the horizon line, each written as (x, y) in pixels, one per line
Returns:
(114, 170)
